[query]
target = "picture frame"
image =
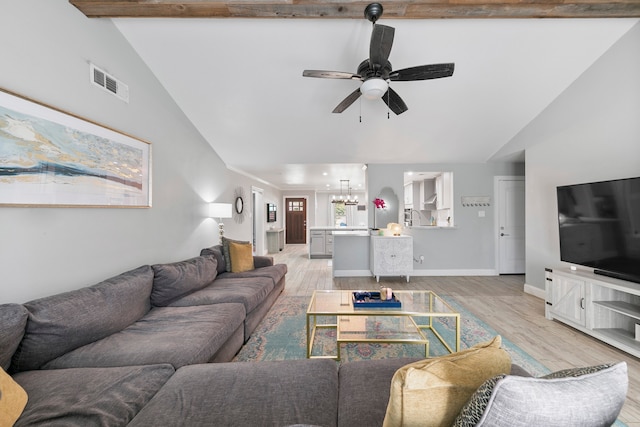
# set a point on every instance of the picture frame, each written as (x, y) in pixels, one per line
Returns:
(52, 158)
(271, 212)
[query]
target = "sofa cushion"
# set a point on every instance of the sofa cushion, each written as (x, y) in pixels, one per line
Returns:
(249, 292)
(241, 255)
(433, 391)
(216, 252)
(364, 390)
(13, 319)
(97, 312)
(172, 281)
(226, 253)
(274, 272)
(247, 394)
(262, 261)
(583, 397)
(89, 396)
(13, 399)
(176, 335)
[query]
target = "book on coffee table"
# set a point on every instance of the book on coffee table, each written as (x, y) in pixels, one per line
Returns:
(372, 300)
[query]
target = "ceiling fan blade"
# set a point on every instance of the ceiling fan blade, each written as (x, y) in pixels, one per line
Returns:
(347, 101)
(422, 72)
(381, 43)
(395, 103)
(330, 74)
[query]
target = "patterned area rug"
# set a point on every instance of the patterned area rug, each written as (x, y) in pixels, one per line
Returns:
(281, 336)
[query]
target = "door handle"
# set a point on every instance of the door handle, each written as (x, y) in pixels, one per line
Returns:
(502, 234)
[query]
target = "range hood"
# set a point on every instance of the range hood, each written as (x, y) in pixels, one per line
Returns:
(431, 199)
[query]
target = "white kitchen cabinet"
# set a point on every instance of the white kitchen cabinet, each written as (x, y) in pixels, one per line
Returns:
(317, 245)
(444, 190)
(328, 243)
(321, 240)
(391, 256)
(408, 196)
(603, 307)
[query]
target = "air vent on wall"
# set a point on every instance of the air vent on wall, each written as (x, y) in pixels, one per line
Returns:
(109, 83)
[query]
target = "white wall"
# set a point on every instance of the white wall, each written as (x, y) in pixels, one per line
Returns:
(589, 133)
(233, 228)
(469, 248)
(49, 250)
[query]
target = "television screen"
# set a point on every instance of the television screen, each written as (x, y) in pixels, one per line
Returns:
(599, 226)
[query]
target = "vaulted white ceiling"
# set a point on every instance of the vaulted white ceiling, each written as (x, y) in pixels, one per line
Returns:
(240, 82)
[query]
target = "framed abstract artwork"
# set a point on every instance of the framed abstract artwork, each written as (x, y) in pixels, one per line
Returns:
(52, 158)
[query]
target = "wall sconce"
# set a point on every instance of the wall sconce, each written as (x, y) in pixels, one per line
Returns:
(220, 210)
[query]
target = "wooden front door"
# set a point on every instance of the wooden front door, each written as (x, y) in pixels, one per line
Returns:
(296, 220)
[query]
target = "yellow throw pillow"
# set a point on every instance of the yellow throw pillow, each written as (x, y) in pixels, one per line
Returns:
(241, 255)
(13, 399)
(431, 392)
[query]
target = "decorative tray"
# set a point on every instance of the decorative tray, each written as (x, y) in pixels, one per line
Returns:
(372, 300)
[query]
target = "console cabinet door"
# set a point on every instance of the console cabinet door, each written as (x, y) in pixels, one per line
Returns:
(391, 256)
(568, 299)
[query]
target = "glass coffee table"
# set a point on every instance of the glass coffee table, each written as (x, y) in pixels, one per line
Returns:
(408, 324)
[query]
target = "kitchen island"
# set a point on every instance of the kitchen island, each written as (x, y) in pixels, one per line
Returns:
(351, 253)
(321, 240)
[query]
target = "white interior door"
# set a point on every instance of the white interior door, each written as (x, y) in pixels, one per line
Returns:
(511, 243)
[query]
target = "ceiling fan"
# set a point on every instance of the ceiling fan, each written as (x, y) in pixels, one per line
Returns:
(376, 71)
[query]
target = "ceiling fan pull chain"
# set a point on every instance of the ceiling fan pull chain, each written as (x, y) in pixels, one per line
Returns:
(360, 110)
(388, 108)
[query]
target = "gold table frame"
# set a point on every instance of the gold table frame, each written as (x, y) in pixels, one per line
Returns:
(415, 305)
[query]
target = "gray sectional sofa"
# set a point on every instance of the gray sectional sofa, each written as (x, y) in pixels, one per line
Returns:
(133, 351)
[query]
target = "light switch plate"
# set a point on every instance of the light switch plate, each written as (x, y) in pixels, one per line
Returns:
(481, 214)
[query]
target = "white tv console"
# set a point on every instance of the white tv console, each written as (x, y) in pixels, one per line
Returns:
(603, 307)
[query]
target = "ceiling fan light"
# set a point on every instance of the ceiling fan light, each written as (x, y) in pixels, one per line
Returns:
(374, 88)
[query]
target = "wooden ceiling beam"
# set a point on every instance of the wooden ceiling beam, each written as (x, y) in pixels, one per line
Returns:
(351, 9)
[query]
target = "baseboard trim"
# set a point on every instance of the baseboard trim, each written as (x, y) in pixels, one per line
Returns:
(478, 272)
(535, 291)
(351, 273)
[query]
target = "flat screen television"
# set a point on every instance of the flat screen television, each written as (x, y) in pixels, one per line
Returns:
(599, 224)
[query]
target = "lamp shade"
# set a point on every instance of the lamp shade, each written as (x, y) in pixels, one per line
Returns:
(374, 88)
(220, 210)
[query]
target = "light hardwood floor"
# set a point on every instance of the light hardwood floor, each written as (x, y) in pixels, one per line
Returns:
(498, 300)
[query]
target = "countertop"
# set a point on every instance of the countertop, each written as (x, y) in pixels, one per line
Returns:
(359, 233)
(355, 227)
(427, 227)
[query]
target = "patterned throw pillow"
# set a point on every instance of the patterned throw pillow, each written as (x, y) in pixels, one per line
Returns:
(472, 410)
(225, 250)
(577, 372)
(586, 397)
